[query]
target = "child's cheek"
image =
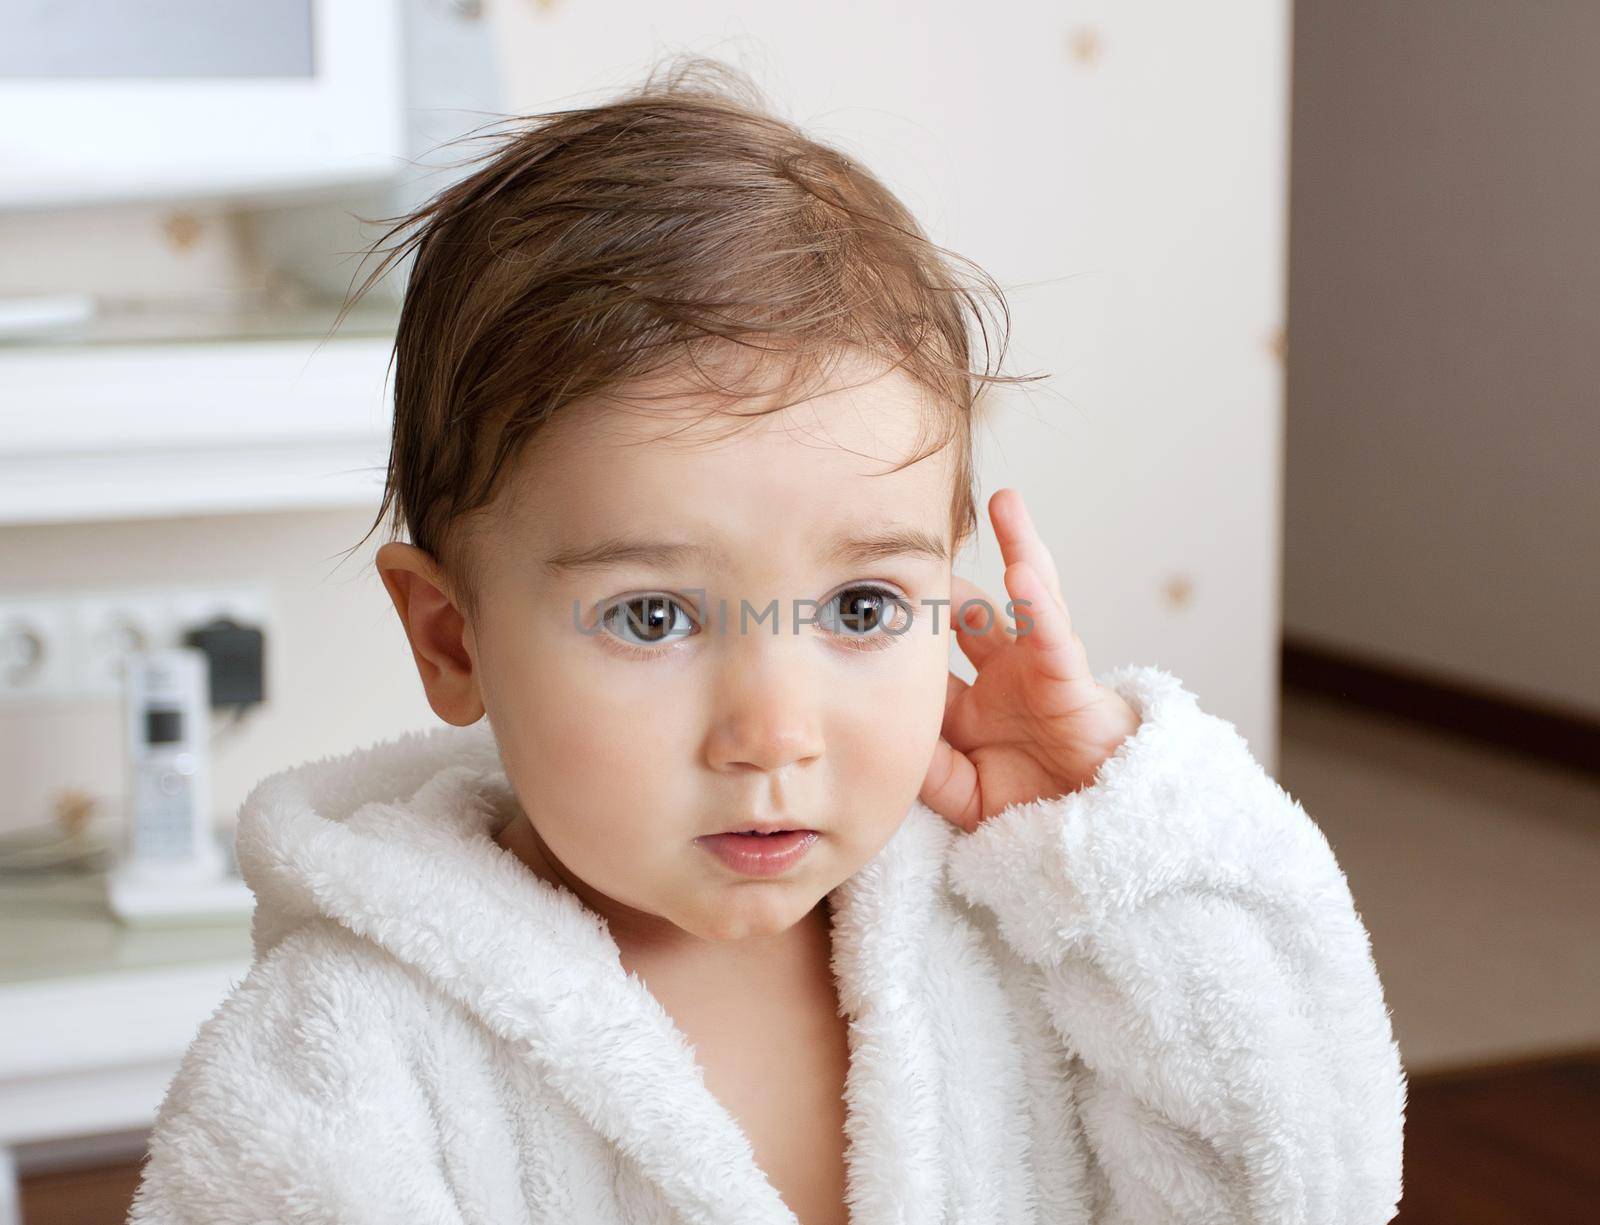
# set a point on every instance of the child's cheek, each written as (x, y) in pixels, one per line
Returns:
(884, 727)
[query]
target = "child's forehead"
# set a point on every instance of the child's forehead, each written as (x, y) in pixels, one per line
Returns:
(798, 479)
(843, 435)
(768, 475)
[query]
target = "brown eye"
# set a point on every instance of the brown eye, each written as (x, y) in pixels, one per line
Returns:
(651, 620)
(867, 612)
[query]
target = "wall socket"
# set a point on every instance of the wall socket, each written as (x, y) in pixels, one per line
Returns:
(69, 644)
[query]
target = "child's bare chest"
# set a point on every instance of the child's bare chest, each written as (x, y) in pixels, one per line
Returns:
(783, 1081)
(777, 1060)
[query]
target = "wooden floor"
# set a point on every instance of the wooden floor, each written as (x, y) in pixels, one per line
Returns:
(1513, 1146)
(1509, 1146)
(79, 1197)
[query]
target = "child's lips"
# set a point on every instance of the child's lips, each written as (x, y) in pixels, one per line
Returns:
(760, 854)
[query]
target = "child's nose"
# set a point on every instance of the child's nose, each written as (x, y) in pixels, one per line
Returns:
(765, 706)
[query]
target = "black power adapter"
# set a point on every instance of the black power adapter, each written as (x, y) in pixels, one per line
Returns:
(236, 658)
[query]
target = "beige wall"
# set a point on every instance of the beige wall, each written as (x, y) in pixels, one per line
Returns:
(1443, 479)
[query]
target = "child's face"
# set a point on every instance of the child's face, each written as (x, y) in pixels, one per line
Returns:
(627, 743)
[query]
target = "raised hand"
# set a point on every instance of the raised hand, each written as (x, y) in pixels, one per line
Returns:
(1034, 722)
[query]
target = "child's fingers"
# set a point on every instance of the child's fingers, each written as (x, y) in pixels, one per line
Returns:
(1020, 540)
(980, 631)
(1043, 628)
(950, 787)
(958, 714)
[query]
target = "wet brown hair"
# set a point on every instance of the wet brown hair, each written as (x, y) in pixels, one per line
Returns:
(595, 247)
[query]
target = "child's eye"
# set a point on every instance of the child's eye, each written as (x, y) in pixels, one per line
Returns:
(655, 619)
(870, 617)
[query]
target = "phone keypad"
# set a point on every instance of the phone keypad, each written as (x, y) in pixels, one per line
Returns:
(163, 827)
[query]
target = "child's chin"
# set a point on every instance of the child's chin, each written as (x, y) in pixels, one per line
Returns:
(738, 918)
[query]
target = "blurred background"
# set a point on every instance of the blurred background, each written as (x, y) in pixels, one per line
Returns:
(1316, 285)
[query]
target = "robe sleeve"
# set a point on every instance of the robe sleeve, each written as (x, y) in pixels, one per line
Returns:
(296, 1103)
(1196, 948)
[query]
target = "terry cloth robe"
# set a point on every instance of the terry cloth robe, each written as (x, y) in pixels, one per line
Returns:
(1148, 1001)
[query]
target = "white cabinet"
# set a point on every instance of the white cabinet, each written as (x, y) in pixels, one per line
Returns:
(117, 431)
(95, 1016)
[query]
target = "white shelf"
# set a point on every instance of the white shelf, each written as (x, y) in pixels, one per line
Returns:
(95, 1015)
(122, 431)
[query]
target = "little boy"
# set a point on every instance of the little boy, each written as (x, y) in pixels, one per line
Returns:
(718, 898)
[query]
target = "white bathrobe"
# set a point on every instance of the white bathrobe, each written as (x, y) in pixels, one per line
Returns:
(1148, 1001)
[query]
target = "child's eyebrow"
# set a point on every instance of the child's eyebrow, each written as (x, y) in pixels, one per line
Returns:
(893, 541)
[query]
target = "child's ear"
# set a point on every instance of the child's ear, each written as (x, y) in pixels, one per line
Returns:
(441, 639)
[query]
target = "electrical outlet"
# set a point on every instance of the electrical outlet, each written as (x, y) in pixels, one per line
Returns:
(108, 625)
(70, 644)
(36, 644)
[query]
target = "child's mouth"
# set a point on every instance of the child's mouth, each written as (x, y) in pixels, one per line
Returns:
(760, 854)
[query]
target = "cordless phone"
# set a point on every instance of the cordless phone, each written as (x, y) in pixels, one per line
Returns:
(171, 864)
